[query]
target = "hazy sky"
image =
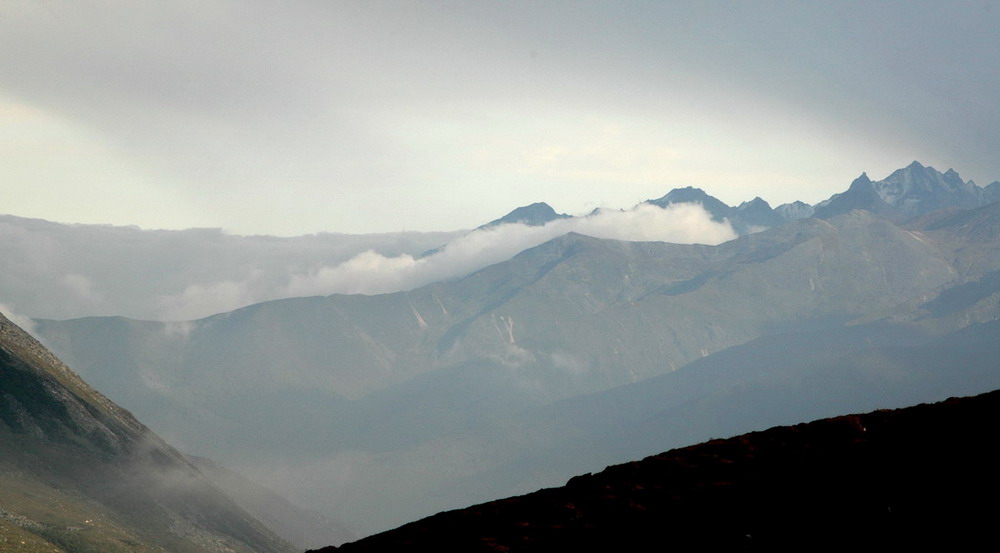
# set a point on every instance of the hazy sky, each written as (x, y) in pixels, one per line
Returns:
(297, 117)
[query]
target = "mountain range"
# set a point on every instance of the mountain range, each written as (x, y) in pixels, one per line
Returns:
(906, 193)
(909, 192)
(576, 353)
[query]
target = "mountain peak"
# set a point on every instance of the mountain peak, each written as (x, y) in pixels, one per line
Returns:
(860, 183)
(535, 215)
(907, 192)
(689, 194)
(756, 203)
(860, 195)
(682, 195)
(794, 210)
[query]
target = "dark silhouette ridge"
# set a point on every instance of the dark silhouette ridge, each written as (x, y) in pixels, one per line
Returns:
(923, 475)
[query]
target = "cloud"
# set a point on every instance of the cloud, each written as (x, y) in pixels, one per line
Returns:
(373, 273)
(60, 271)
(200, 299)
(81, 287)
(65, 271)
(22, 321)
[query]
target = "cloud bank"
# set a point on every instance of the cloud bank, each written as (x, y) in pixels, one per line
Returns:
(66, 271)
(373, 273)
(20, 320)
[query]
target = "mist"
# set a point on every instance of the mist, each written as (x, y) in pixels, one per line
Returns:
(373, 273)
(61, 271)
(68, 271)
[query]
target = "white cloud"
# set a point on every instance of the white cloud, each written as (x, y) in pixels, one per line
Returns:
(198, 300)
(81, 287)
(64, 271)
(60, 271)
(372, 273)
(25, 323)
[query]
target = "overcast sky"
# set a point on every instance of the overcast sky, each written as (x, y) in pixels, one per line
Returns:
(298, 117)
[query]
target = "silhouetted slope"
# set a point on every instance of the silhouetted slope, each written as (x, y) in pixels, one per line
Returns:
(918, 476)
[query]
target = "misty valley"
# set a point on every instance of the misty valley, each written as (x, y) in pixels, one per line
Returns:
(194, 391)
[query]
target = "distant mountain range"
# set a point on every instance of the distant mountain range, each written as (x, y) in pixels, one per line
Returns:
(574, 354)
(911, 478)
(908, 192)
(60, 271)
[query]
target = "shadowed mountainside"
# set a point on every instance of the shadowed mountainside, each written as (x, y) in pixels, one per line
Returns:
(80, 474)
(920, 476)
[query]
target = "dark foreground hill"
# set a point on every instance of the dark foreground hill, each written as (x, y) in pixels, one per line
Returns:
(923, 475)
(79, 474)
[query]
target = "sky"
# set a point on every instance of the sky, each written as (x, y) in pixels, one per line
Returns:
(301, 117)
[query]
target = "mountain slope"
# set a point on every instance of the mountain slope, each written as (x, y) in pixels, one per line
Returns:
(81, 474)
(916, 476)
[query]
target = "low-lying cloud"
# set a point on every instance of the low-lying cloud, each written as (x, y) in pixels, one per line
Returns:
(373, 273)
(20, 320)
(65, 271)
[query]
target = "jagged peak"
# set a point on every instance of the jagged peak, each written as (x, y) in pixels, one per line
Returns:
(756, 204)
(861, 181)
(913, 172)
